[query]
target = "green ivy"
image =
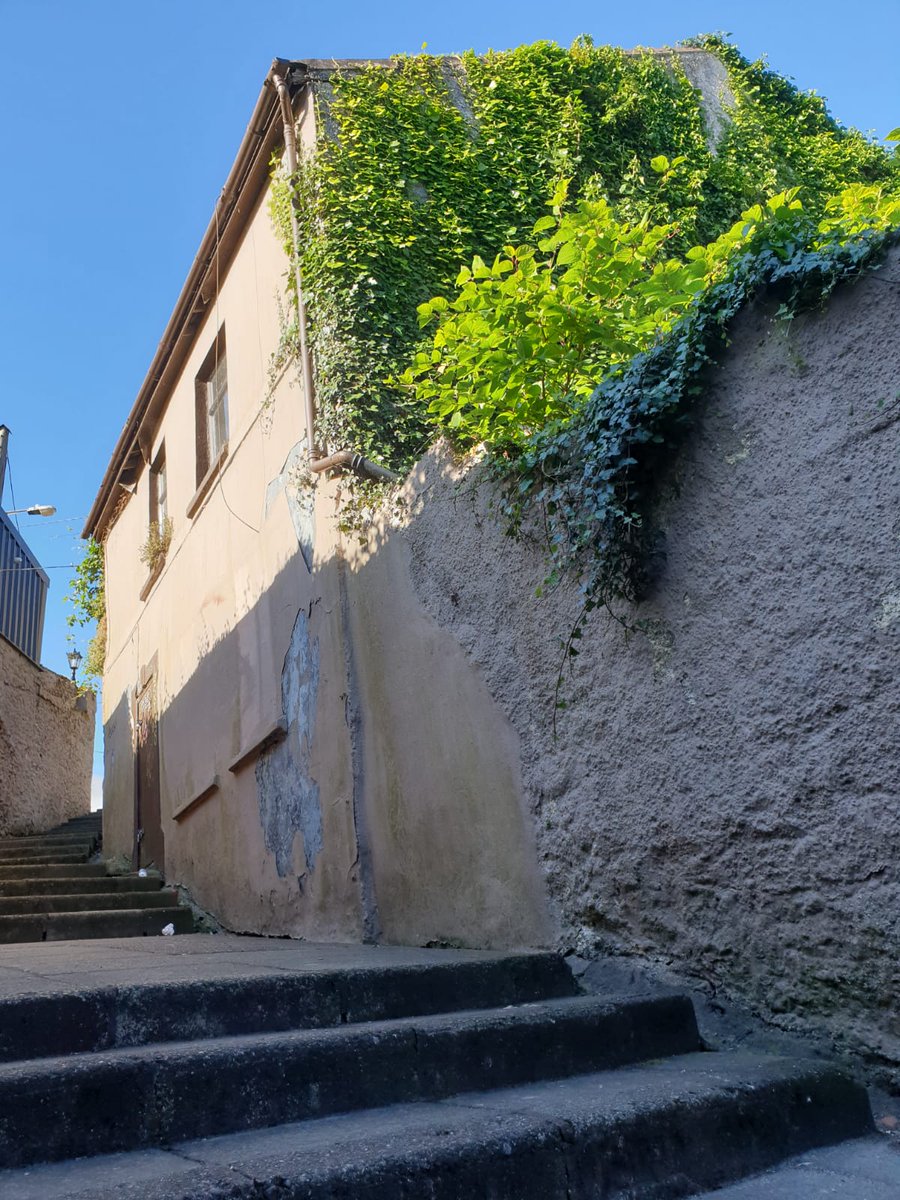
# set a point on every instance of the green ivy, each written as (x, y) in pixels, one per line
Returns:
(424, 163)
(780, 137)
(86, 590)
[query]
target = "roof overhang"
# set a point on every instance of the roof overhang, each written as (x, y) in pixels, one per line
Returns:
(245, 183)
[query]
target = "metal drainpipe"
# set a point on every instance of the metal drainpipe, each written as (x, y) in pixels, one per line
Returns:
(290, 146)
(343, 458)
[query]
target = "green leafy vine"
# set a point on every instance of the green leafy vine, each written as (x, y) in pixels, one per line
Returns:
(574, 343)
(426, 162)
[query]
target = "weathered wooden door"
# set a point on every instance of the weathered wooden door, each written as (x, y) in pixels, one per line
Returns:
(149, 833)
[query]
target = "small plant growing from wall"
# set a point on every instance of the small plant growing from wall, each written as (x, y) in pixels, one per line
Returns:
(156, 546)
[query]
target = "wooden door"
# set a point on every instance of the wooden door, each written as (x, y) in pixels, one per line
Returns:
(149, 833)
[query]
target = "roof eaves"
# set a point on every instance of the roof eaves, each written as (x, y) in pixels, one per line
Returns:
(246, 179)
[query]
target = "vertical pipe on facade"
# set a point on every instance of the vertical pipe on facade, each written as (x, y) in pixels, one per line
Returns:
(290, 147)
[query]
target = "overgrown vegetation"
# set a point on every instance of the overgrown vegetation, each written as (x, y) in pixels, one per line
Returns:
(574, 343)
(593, 475)
(430, 161)
(156, 544)
(87, 595)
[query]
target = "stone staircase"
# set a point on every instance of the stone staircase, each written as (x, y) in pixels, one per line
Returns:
(450, 1077)
(49, 890)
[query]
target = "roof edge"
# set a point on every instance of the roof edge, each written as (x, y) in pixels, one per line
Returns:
(250, 168)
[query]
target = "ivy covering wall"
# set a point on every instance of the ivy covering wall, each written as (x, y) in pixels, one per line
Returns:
(425, 163)
(540, 251)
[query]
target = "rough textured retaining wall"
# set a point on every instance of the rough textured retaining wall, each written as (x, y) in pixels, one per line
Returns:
(46, 746)
(722, 795)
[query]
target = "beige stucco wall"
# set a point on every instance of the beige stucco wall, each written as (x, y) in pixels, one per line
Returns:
(452, 848)
(377, 816)
(46, 746)
(215, 628)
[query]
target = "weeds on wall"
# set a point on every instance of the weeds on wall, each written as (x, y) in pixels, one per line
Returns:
(156, 544)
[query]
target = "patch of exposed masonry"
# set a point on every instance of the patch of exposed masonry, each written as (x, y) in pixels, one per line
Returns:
(890, 611)
(709, 75)
(288, 795)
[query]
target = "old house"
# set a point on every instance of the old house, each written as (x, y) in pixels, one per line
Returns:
(260, 693)
(343, 737)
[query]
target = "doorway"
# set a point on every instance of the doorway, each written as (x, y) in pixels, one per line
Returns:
(149, 850)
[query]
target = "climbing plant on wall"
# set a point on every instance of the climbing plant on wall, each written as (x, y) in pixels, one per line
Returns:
(87, 595)
(570, 342)
(424, 163)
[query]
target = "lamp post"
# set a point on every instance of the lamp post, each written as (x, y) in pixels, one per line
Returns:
(74, 657)
(36, 510)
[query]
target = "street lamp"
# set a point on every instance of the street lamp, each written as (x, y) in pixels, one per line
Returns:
(36, 510)
(74, 657)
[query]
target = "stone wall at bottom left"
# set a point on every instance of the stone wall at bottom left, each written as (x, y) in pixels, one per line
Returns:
(46, 746)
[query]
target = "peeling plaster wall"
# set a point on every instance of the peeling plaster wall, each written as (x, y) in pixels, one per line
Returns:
(219, 626)
(722, 793)
(46, 746)
(391, 808)
(289, 801)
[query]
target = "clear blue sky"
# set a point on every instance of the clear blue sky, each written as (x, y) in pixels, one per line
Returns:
(119, 122)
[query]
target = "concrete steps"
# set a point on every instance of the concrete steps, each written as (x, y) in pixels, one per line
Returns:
(458, 1079)
(49, 891)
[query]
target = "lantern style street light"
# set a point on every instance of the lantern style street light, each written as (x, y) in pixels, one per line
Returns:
(74, 657)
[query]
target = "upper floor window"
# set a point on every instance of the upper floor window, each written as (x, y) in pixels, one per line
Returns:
(211, 395)
(159, 490)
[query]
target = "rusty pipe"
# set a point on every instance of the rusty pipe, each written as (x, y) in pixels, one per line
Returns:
(356, 463)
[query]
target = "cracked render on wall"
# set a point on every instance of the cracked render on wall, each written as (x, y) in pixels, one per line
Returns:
(289, 801)
(721, 795)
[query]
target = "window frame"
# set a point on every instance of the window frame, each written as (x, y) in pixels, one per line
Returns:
(159, 496)
(211, 409)
(208, 465)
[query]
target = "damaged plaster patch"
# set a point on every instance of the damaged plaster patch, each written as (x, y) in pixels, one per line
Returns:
(301, 501)
(288, 796)
(890, 611)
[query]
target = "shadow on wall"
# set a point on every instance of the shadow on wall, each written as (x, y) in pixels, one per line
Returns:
(391, 810)
(721, 796)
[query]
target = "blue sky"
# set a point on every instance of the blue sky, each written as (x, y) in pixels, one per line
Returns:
(119, 122)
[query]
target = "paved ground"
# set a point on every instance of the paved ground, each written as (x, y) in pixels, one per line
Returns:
(30, 968)
(864, 1170)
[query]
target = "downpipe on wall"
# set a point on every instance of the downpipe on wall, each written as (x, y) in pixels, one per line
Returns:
(343, 459)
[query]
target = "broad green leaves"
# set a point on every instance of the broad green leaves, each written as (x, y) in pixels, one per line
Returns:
(425, 163)
(528, 338)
